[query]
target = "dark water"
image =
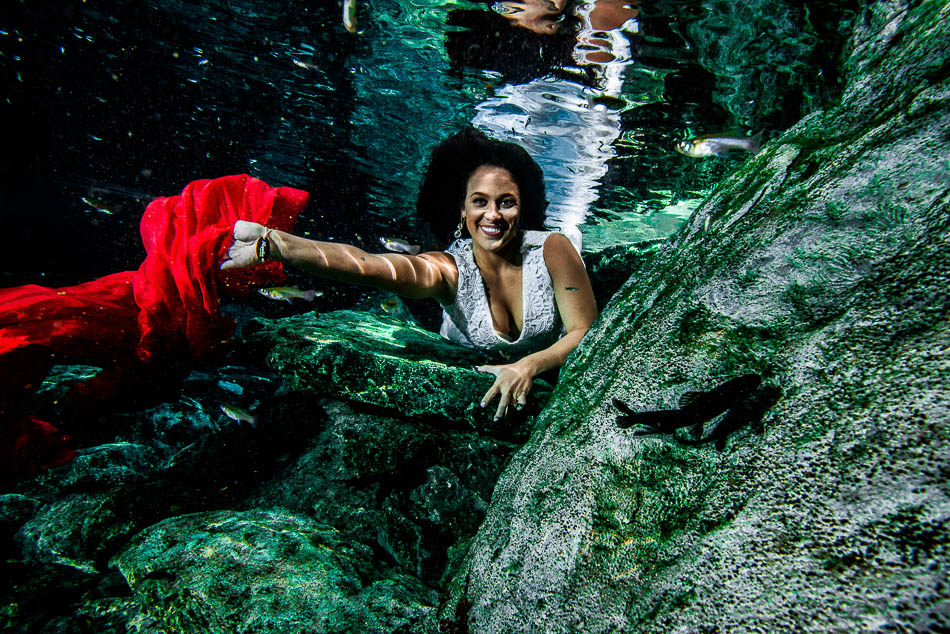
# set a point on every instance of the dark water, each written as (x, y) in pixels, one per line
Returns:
(109, 104)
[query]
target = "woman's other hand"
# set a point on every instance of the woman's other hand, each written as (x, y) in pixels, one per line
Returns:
(244, 250)
(512, 384)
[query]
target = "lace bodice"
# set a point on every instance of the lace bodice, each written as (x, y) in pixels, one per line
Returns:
(468, 320)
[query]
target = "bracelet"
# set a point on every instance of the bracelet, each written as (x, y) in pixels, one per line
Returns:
(263, 246)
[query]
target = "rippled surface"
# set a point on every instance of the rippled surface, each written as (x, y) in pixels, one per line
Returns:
(108, 105)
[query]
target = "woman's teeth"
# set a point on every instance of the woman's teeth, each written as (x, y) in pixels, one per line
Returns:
(490, 230)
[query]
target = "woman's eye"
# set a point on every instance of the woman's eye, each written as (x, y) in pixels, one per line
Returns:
(508, 203)
(479, 202)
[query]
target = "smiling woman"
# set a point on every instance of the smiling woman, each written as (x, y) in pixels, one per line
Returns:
(507, 287)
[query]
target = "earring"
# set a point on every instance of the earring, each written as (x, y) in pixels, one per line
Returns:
(458, 231)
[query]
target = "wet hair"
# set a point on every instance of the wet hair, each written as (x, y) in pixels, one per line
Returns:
(490, 41)
(442, 192)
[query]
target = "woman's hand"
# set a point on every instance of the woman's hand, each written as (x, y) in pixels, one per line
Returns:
(244, 250)
(512, 384)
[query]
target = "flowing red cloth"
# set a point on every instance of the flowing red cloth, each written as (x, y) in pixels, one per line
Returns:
(144, 327)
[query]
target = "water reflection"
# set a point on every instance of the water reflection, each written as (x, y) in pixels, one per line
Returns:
(539, 16)
(567, 121)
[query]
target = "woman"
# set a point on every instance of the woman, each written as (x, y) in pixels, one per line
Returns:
(506, 289)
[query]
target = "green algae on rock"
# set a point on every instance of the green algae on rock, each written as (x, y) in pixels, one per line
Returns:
(411, 491)
(384, 362)
(267, 571)
(822, 265)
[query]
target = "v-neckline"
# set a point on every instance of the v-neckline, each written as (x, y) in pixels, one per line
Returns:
(524, 305)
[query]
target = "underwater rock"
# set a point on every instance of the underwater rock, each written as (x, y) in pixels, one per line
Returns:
(15, 511)
(409, 490)
(609, 268)
(406, 490)
(74, 532)
(821, 265)
(384, 362)
(180, 457)
(267, 571)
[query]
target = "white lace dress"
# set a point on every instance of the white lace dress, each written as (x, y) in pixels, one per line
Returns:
(468, 320)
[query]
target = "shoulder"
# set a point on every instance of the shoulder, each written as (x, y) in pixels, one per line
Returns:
(445, 269)
(560, 254)
(443, 261)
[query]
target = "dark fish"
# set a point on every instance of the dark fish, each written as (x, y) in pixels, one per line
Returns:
(749, 411)
(695, 407)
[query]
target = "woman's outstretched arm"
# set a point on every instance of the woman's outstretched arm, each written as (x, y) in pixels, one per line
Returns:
(578, 309)
(425, 275)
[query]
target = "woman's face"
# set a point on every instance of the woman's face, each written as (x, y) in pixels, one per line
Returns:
(492, 208)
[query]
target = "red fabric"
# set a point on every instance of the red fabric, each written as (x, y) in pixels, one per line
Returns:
(138, 324)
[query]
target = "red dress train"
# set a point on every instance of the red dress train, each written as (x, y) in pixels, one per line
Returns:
(145, 328)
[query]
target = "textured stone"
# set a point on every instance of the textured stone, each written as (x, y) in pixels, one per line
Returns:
(385, 362)
(267, 571)
(407, 489)
(821, 265)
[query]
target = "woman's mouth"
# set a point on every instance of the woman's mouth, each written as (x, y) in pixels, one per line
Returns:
(492, 231)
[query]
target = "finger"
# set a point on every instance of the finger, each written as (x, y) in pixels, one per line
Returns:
(490, 394)
(228, 264)
(502, 407)
(521, 398)
(247, 231)
(488, 369)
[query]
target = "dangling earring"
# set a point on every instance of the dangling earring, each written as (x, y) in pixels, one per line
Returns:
(458, 231)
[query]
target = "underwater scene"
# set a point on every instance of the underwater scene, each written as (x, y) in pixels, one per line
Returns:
(681, 364)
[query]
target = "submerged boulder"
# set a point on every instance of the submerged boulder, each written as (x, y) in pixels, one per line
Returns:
(821, 266)
(384, 362)
(408, 490)
(267, 571)
(379, 472)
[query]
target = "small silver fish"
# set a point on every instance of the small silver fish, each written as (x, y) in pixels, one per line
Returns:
(349, 15)
(718, 145)
(239, 414)
(289, 293)
(398, 245)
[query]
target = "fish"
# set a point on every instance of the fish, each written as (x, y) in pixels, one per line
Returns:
(718, 145)
(397, 245)
(391, 305)
(695, 408)
(349, 15)
(394, 307)
(239, 414)
(289, 293)
(749, 411)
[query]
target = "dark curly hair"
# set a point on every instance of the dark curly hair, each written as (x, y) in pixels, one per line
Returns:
(442, 192)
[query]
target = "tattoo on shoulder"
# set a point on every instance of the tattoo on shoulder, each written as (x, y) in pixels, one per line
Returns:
(571, 288)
